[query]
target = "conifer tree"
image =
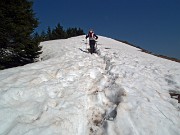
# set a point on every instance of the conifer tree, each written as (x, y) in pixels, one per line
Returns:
(17, 21)
(43, 36)
(71, 32)
(58, 32)
(49, 33)
(80, 32)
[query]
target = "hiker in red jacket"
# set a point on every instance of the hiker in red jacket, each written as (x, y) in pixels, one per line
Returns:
(92, 40)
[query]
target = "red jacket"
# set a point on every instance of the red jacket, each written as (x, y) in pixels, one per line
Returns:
(91, 35)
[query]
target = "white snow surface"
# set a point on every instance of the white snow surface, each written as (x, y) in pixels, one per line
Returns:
(119, 91)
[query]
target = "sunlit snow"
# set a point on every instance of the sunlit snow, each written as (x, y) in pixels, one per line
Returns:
(119, 91)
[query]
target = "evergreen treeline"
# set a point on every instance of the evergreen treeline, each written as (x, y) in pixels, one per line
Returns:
(17, 23)
(19, 45)
(58, 33)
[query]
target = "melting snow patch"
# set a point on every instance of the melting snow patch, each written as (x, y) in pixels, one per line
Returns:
(119, 91)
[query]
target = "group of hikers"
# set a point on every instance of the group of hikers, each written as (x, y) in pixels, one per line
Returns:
(92, 40)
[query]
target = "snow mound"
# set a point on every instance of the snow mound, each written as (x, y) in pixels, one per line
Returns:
(120, 91)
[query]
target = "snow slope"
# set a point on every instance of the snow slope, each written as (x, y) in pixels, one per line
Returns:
(120, 91)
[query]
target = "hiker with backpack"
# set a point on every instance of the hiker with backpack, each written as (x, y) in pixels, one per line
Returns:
(92, 40)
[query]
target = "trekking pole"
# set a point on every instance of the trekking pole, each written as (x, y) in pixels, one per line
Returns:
(96, 44)
(86, 44)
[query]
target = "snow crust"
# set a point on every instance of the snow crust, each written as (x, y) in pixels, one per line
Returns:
(119, 91)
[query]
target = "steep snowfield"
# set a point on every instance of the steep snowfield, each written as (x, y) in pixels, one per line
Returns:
(120, 91)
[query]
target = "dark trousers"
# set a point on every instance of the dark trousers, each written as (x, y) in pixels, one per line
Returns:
(92, 46)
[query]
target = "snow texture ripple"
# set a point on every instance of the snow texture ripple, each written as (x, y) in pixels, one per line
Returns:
(119, 91)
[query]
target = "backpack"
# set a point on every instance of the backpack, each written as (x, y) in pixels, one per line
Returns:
(91, 34)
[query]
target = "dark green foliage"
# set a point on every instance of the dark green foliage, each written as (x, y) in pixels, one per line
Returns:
(59, 33)
(43, 36)
(17, 21)
(71, 32)
(49, 34)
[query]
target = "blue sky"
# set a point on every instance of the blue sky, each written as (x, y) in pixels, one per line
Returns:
(151, 24)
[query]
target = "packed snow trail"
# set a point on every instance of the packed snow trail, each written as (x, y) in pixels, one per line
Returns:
(120, 91)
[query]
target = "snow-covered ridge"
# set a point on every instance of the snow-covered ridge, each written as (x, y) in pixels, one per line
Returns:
(120, 91)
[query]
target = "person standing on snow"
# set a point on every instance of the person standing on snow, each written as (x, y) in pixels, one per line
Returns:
(92, 40)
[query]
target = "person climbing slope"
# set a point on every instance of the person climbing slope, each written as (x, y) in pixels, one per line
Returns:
(92, 40)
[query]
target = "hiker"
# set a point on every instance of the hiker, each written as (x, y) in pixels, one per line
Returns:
(92, 40)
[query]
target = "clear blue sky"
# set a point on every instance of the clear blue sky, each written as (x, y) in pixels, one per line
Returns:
(151, 24)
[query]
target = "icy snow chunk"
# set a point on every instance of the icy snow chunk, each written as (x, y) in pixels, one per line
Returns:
(95, 73)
